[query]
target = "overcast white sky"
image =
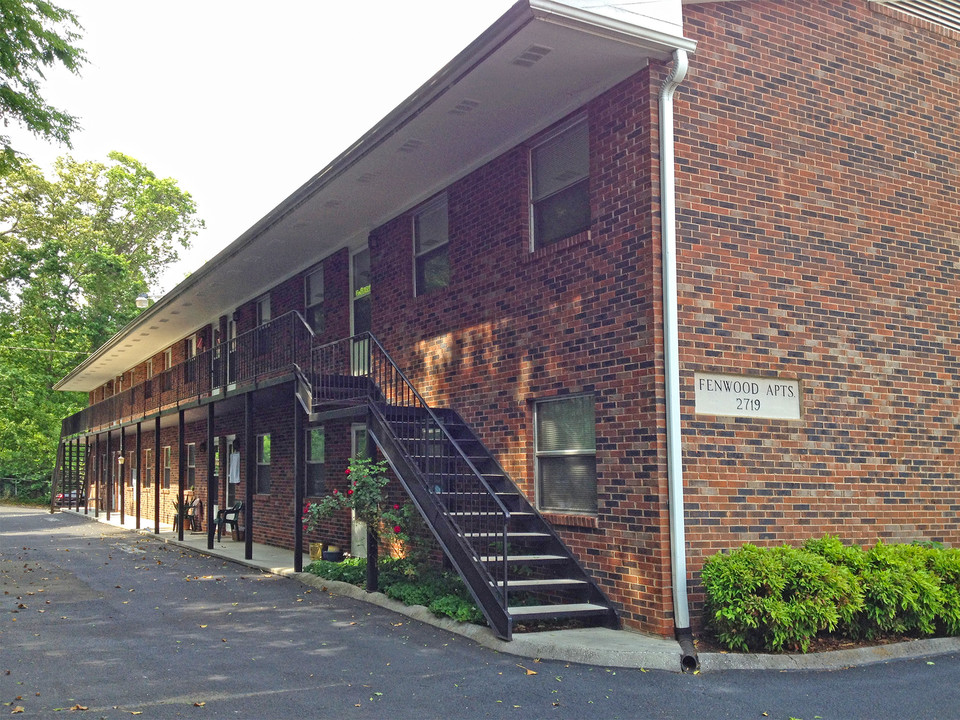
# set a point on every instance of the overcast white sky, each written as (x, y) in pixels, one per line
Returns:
(242, 102)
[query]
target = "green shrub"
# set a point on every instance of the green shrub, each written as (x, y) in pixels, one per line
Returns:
(412, 584)
(902, 596)
(776, 598)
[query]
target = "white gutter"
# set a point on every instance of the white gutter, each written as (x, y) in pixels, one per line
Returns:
(671, 352)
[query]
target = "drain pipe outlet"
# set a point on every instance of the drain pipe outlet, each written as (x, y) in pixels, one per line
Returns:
(671, 351)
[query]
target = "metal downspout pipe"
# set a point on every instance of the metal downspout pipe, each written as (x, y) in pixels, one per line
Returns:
(671, 351)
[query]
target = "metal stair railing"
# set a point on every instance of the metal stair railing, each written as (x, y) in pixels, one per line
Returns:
(428, 460)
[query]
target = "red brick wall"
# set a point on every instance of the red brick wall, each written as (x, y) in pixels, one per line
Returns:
(818, 150)
(575, 317)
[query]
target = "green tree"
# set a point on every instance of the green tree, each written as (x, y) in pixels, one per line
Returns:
(75, 251)
(35, 35)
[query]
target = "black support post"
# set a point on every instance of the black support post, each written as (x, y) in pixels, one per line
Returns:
(139, 484)
(123, 474)
(181, 471)
(250, 442)
(97, 472)
(157, 472)
(211, 480)
(108, 473)
(299, 448)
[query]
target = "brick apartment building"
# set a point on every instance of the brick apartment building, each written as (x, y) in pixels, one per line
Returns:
(632, 283)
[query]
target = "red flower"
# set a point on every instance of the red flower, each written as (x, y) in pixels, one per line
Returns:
(349, 492)
(396, 507)
(334, 491)
(304, 527)
(396, 529)
(348, 471)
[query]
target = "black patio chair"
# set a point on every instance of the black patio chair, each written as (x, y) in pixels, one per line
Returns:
(228, 517)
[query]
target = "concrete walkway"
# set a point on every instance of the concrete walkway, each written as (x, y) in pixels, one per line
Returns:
(591, 646)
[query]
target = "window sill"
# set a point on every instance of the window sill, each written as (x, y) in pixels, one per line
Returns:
(571, 520)
(580, 238)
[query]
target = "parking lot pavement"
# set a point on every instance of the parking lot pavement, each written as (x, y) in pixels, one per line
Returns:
(98, 617)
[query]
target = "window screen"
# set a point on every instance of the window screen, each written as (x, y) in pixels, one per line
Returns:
(566, 455)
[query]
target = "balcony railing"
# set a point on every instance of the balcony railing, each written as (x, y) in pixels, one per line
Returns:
(270, 350)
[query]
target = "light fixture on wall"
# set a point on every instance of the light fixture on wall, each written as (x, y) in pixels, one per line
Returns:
(143, 301)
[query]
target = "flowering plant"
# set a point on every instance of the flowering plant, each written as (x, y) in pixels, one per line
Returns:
(364, 496)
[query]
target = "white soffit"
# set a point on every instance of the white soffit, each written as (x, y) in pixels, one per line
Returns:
(941, 12)
(541, 61)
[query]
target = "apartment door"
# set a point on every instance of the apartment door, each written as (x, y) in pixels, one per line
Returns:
(358, 530)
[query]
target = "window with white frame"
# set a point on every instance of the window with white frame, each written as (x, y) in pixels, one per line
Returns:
(430, 238)
(191, 465)
(263, 317)
(263, 463)
(167, 466)
(167, 364)
(147, 467)
(263, 310)
(566, 454)
(132, 468)
(313, 289)
(560, 185)
(316, 458)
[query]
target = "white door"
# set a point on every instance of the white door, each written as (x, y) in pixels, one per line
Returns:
(358, 530)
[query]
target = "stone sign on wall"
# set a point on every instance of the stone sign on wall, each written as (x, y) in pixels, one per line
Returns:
(745, 396)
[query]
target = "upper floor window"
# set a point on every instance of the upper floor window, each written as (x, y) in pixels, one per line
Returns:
(263, 310)
(565, 452)
(560, 185)
(313, 288)
(430, 235)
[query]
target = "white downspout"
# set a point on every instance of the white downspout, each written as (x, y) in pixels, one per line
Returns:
(671, 352)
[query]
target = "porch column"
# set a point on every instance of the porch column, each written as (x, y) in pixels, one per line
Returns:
(122, 462)
(250, 443)
(181, 471)
(139, 483)
(157, 472)
(298, 482)
(108, 473)
(76, 469)
(211, 480)
(96, 476)
(66, 473)
(87, 469)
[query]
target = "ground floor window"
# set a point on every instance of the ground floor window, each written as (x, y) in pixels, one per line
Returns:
(167, 465)
(191, 465)
(132, 468)
(565, 450)
(263, 463)
(316, 452)
(148, 465)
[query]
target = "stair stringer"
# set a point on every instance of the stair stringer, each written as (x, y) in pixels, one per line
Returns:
(490, 600)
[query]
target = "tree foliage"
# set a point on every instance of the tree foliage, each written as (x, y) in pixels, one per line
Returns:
(35, 35)
(75, 251)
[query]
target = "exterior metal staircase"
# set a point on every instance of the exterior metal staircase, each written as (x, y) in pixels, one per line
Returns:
(511, 559)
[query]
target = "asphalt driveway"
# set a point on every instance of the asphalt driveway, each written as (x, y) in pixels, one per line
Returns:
(99, 622)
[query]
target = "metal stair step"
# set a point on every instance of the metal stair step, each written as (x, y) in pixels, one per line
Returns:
(545, 612)
(524, 558)
(541, 583)
(511, 535)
